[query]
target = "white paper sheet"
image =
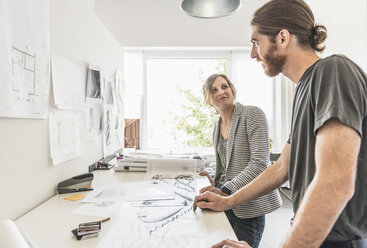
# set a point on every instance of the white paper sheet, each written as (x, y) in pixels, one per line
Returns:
(101, 209)
(68, 81)
(65, 135)
(24, 58)
(120, 91)
(130, 192)
(109, 92)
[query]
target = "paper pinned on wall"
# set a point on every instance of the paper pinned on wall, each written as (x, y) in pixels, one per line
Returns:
(94, 85)
(109, 93)
(24, 59)
(93, 117)
(111, 139)
(68, 81)
(65, 129)
(120, 91)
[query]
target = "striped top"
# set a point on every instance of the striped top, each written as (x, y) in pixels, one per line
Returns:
(247, 156)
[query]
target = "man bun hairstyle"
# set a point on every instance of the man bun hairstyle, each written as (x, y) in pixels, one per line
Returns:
(319, 35)
(293, 15)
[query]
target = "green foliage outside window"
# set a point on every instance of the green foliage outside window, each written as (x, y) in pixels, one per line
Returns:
(197, 121)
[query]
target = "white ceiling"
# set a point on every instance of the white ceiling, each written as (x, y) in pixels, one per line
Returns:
(151, 23)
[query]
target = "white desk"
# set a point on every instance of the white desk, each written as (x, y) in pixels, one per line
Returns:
(50, 224)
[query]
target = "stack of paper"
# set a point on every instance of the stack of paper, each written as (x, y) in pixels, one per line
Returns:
(130, 164)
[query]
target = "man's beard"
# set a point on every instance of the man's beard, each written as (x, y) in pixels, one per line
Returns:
(273, 63)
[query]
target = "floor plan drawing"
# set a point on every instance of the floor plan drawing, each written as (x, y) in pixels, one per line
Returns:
(25, 59)
(23, 71)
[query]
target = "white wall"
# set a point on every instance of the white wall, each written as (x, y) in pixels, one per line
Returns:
(27, 176)
(346, 22)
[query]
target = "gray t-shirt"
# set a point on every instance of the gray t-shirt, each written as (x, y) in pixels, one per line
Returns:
(222, 152)
(333, 87)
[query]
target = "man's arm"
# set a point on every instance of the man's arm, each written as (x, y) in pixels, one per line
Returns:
(336, 155)
(270, 179)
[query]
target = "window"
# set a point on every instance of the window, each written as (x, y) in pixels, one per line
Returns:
(176, 115)
(163, 89)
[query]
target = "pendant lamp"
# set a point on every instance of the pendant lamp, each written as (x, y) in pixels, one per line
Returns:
(210, 8)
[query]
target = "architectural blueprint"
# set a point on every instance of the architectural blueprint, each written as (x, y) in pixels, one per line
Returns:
(149, 224)
(24, 59)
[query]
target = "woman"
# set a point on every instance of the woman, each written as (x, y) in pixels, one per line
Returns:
(241, 144)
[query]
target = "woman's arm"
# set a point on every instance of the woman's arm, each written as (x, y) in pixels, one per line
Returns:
(270, 179)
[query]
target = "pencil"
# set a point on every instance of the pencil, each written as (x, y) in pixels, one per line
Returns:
(104, 220)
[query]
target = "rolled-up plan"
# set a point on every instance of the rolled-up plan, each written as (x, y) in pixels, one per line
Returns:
(11, 237)
(171, 168)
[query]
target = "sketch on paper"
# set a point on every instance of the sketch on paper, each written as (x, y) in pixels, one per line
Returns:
(108, 97)
(120, 91)
(24, 59)
(65, 139)
(108, 128)
(150, 224)
(68, 81)
(111, 141)
(93, 117)
(23, 72)
(94, 83)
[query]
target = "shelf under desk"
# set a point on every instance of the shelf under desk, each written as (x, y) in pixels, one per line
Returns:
(50, 224)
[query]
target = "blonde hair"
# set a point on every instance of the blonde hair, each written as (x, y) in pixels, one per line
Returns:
(207, 87)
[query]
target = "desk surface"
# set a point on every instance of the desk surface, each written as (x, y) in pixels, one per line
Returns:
(50, 224)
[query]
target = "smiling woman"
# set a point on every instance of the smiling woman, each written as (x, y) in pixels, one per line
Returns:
(241, 146)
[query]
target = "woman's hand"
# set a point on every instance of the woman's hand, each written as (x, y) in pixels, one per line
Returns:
(213, 189)
(205, 173)
(231, 244)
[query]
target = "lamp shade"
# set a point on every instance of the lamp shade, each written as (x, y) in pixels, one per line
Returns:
(210, 8)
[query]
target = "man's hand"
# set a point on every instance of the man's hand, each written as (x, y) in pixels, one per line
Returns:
(213, 189)
(205, 173)
(211, 201)
(231, 244)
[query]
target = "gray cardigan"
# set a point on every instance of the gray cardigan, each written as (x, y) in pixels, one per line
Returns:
(247, 156)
